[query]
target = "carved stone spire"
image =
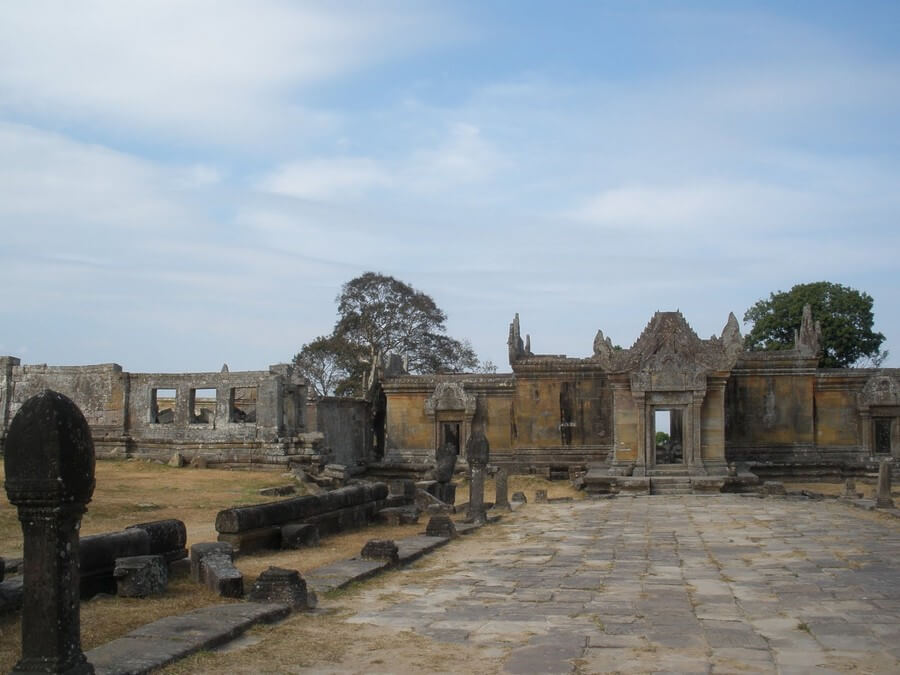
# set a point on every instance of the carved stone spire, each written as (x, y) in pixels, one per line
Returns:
(731, 337)
(808, 340)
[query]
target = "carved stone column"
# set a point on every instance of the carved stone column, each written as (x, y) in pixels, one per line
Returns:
(696, 463)
(501, 482)
(477, 454)
(883, 498)
(645, 457)
(50, 478)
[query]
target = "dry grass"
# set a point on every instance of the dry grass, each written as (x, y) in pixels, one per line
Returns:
(130, 492)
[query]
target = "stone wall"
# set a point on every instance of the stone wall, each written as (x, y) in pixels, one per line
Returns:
(772, 410)
(346, 427)
(241, 417)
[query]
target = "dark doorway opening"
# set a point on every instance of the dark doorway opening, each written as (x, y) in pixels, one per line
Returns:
(450, 434)
(883, 436)
(668, 436)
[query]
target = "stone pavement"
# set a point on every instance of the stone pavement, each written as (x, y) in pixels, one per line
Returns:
(705, 584)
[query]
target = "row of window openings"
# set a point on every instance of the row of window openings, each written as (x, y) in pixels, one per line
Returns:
(241, 405)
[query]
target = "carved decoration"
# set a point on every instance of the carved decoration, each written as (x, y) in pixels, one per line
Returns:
(603, 349)
(808, 339)
(517, 348)
(450, 396)
(880, 389)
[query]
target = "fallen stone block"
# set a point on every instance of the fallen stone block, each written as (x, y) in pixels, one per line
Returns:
(168, 538)
(203, 549)
(425, 501)
(402, 487)
(773, 487)
(519, 497)
(253, 540)
(381, 549)
(221, 576)
(283, 586)
(177, 460)
(440, 525)
(11, 595)
(399, 515)
(299, 535)
(156, 644)
(140, 576)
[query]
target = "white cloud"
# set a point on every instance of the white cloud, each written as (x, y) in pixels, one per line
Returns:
(323, 179)
(220, 71)
(465, 156)
(694, 207)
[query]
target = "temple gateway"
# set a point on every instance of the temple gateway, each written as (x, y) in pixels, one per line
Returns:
(672, 405)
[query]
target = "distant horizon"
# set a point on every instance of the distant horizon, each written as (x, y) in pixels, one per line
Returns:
(182, 186)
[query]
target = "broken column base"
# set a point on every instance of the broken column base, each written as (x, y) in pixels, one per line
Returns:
(140, 576)
(283, 586)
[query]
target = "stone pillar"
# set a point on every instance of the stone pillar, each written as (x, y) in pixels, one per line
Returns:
(849, 489)
(477, 455)
(883, 496)
(501, 481)
(50, 478)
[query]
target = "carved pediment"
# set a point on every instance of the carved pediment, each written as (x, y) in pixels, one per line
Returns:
(450, 396)
(669, 355)
(880, 389)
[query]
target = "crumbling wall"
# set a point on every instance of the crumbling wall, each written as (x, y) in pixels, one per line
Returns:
(101, 392)
(346, 424)
(255, 416)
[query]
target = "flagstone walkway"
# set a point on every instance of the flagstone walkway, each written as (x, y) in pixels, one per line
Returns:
(705, 584)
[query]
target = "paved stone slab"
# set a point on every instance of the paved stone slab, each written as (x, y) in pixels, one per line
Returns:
(164, 641)
(673, 584)
(337, 575)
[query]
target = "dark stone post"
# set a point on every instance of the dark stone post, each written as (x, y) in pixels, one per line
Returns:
(477, 454)
(50, 478)
(501, 481)
(883, 496)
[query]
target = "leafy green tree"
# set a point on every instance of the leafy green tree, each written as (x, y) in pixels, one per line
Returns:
(844, 313)
(379, 315)
(329, 363)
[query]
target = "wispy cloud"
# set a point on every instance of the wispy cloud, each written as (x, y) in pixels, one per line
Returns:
(322, 179)
(212, 72)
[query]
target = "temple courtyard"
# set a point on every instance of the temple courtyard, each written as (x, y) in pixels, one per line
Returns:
(705, 584)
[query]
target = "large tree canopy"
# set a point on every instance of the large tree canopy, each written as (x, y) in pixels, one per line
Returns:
(379, 315)
(844, 313)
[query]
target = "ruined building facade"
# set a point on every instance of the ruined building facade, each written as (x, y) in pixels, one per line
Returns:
(773, 411)
(255, 417)
(672, 402)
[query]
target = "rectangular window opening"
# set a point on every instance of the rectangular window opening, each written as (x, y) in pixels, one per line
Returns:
(243, 405)
(162, 406)
(883, 436)
(203, 406)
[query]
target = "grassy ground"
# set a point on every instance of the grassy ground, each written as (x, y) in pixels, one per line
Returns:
(130, 492)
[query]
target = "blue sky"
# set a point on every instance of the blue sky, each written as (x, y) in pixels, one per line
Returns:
(186, 184)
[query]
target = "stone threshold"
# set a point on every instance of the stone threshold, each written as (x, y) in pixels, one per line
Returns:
(162, 642)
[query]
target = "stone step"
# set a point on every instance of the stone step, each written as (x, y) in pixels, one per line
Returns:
(670, 480)
(671, 491)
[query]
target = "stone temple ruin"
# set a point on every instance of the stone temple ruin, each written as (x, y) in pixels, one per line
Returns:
(672, 406)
